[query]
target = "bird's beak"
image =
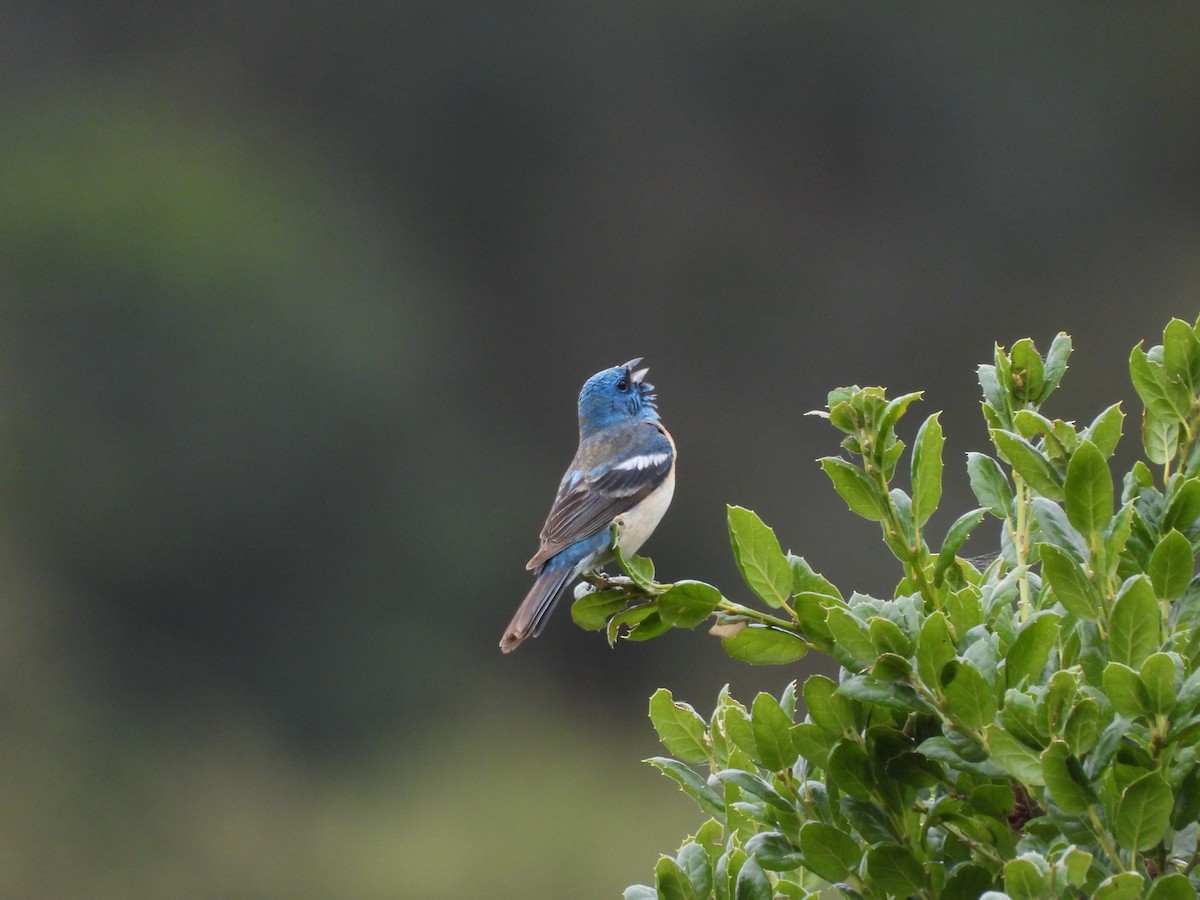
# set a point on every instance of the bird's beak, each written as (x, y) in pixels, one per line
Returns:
(635, 376)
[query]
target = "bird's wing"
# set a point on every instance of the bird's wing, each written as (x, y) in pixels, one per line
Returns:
(591, 503)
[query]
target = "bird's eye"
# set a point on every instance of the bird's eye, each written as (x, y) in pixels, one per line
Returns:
(623, 384)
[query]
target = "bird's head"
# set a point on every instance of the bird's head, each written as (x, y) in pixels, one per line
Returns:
(615, 395)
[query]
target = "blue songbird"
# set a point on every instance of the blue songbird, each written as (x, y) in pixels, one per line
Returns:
(623, 473)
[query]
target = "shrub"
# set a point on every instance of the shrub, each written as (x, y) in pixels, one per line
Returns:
(1024, 727)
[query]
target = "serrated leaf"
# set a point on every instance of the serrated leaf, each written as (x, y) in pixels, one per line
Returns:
(1125, 691)
(772, 733)
(1013, 757)
(852, 642)
(1143, 813)
(1158, 678)
(691, 783)
(1105, 430)
(806, 581)
(829, 852)
(1166, 398)
(1066, 781)
(955, 538)
(592, 611)
(1088, 489)
(1181, 354)
(1028, 371)
(1051, 526)
(1134, 623)
(969, 697)
(1160, 438)
(759, 557)
(829, 710)
(679, 727)
(640, 569)
(752, 882)
(1122, 886)
(774, 852)
(1056, 363)
(1172, 886)
(1030, 652)
(869, 690)
(1172, 565)
(850, 770)
(1025, 881)
(1070, 584)
(895, 870)
(1030, 463)
(761, 645)
(688, 603)
(671, 882)
(935, 648)
(630, 618)
(927, 469)
(693, 860)
(755, 786)
(853, 486)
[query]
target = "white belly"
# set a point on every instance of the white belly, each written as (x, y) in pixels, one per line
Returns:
(638, 524)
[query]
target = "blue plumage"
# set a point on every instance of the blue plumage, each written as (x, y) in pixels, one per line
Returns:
(624, 470)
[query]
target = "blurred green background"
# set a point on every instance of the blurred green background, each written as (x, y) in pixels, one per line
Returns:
(295, 302)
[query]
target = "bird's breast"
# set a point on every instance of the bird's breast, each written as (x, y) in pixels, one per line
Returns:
(639, 523)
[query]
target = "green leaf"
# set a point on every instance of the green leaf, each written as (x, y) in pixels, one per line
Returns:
(640, 569)
(679, 727)
(1172, 565)
(1181, 354)
(1023, 880)
(688, 603)
(1143, 813)
(1056, 363)
(806, 581)
(955, 538)
(829, 710)
(853, 486)
(752, 882)
(1172, 886)
(887, 636)
(850, 770)
(1105, 430)
(761, 645)
(1030, 463)
(1066, 780)
(1168, 399)
(639, 892)
(1051, 525)
(1028, 371)
(895, 870)
(774, 852)
(1125, 691)
(772, 733)
(891, 415)
(592, 610)
(1122, 886)
(1070, 584)
(670, 881)
(852, 641)
(1160, 438)
(691, 783)
(1158, 677)
(1013, 757)
(968, 695)
(696, 865)
(1133, 626)
(927, 469)
(755, 786)
(759, 557)
(1089, 489)
(869, 690)
(630, 618)
(1030, 652)
(935, 648)
(828, 852)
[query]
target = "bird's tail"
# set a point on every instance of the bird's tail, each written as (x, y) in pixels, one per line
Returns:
(551, 584)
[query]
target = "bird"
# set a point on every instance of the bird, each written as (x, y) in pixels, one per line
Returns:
(623, 474)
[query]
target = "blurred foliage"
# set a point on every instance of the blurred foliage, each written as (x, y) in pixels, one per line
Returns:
(294, 302)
